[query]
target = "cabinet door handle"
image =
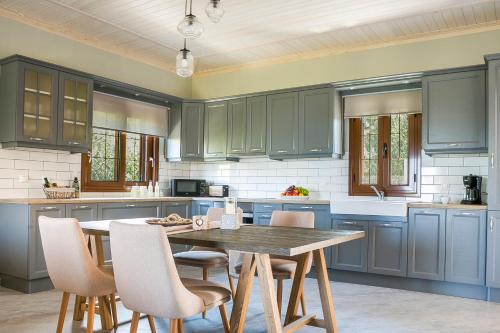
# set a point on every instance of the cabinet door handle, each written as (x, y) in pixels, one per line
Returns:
(190, 154)
(267, 206)
(492, 223)
(306, 207)
(493, 160)
(315, 150)
(348, 223)
(236, 150)
(37, 139)
(130, 206)
(266, 216)
(48, 208)
(74, 143)
(282, 151)
(256, 149)
(82, 207)
(429, 212)
(465, 214)
(454, 144)
(386, 225)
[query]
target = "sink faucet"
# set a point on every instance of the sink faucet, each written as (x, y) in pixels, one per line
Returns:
(380, 194)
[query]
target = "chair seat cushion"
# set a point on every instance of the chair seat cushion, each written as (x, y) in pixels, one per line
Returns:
(201, 258)
(283, 268)
(212, 293)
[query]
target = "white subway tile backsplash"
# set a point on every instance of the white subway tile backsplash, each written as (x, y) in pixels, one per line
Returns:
(461, 171)
(448, 161)
(476, 161)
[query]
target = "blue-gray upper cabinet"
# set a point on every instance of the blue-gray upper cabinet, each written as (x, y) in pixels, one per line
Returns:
(111, 211)
(316, 122)
(282, 125)
(236, 126)
(192, 131)
(173, 141)
(465, 246)
(215, 131)
(351, 256)
(36, 262)
(426, 243)
(454, 112)
(28, 100)
(387, 251)
(182, 208)
(493, 251)
(256, 125)
(75, 111)
(494, 134)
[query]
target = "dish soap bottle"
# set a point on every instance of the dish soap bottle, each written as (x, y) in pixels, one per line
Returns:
(76, 186)
(150, 189)
(157, 189)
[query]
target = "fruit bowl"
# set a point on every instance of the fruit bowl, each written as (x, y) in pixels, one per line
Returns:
(295, 193)
(295, 197)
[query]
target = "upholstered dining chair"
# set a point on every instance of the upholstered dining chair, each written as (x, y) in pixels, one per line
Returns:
(284, 267)
(205, 257)
(72, 269)
(148, 282)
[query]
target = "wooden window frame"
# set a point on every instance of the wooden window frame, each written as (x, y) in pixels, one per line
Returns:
(383, 172)
(149, 149)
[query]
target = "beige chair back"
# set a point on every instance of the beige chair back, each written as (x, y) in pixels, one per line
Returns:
(292, 219)
(68, 259)
(145, 273)
(215, 214)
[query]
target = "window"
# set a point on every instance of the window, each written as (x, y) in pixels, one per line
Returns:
(119, 160)
(385, 152)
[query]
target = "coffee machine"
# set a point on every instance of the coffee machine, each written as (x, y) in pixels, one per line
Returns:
(472, 195)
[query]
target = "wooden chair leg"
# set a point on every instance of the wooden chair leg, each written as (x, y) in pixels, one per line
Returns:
(151, 323)
(205, 278)
(179, 326)
(77, 311)
(279, 294)
(223, 316)
(303, 304)
(62, 312)
(135, 322)
(231, 282)
(105, 312)
(173, 326)
(90, 318)
(112, 299)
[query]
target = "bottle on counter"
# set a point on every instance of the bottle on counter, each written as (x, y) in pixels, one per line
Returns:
(76, 186)
(157, 189)
(46, 183)
(150, 189)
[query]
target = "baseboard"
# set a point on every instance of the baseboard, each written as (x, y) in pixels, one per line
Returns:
(26, 286)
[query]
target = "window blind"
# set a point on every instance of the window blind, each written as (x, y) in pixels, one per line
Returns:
(406, 101)
(123, 114)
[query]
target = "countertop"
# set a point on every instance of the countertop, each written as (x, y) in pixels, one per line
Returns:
(446, 206)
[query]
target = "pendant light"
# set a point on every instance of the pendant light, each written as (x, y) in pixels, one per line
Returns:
(184, 62)
(214, 10)
(190, 27)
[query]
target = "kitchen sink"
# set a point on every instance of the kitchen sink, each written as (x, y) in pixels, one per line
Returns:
(370, 207)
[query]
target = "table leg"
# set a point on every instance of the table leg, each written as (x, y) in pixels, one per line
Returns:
(240, 302)
(297, 287)
(324, 291)
(97, 249)
(104, 304)
(268, 294)
(105, 313)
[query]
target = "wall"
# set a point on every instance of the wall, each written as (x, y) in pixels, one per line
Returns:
(18, 38)
(406, 58)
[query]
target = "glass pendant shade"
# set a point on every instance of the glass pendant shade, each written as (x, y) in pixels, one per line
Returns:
(190, 27)
(214, 10)
(184, 63)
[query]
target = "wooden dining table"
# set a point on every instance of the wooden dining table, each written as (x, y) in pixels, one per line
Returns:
(257, 244)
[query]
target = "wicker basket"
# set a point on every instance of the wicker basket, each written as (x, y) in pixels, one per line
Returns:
(59, 192)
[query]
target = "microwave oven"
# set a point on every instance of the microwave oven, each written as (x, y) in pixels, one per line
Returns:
(188, 188)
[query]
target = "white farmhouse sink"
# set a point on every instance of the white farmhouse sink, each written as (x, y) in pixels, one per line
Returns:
(370, 207)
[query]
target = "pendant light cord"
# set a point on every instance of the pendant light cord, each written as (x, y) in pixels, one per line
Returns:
(186, 8)
(190, 7)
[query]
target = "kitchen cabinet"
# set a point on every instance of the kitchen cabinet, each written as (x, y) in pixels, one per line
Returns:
(215, 131)
(316, 122)
(282, 124)
(387, 251)
(494, 132)
(201, 207)
(183, 209)
(75, 111)
(115, 211)
(173, 141)
(426, 243)
(493, 250)
(353, 255)
(236, 126)
(465, 246)
(36, 258)
(322, 221)
(262, 212)
(454, 112)
(192, 131)
(256, 125)
(262, 218)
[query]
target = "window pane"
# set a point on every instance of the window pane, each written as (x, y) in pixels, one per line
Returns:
(103, 162)
(369, 160)
(399, 149)
(133, 158)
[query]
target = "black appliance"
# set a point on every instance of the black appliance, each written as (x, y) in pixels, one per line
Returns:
(472, 195)
(189, 188)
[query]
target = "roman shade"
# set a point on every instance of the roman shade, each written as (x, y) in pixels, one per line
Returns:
(123, 114)
(386, 103)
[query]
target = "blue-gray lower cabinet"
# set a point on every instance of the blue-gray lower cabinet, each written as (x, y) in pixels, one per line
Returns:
(387, 251)
(36, 258)
(351, 256)
(493, 251)
(182, 208)
(465, 246)
(322, 221)
(110, 211)
(201, 207)
(426, 243)
(261, 218)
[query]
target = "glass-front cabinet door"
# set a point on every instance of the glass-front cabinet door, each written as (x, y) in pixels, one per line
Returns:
(38, 107)
(75, 110)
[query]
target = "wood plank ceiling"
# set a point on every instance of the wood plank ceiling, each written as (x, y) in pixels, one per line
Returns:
(252, 32)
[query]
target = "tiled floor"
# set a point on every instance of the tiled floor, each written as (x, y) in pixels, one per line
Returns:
(359, 309)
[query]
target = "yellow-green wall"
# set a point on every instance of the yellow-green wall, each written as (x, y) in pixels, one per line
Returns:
(434, 54)
(18, 38)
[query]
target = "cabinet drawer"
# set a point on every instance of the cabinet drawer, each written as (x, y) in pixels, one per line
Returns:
(111, 211)
(264, 207)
